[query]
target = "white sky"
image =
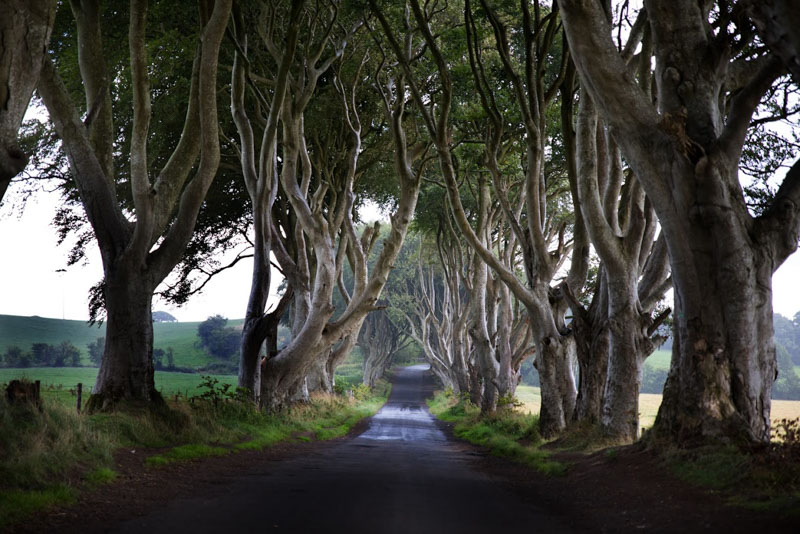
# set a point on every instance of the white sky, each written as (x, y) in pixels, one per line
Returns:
(31, 285)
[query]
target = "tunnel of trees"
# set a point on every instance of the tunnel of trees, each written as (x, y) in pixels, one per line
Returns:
(554, 174)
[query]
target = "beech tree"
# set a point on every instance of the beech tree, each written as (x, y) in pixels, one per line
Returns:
(25, 28)
(618, 330)
(260, 171)
(532, 93)
(316, 180)
(710, 75)
(137, 253)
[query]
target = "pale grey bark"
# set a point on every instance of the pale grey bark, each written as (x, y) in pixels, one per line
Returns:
(165, 209)
(260, 172)
(621, 226)
(685, 153)
(327, 229)
(438, 323)
(25, 28)
(554, 347)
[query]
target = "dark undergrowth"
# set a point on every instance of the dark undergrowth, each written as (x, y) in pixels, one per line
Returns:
(506, 433)
(48, 456)
(765, 477)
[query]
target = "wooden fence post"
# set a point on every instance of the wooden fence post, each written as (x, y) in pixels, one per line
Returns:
(80, 391)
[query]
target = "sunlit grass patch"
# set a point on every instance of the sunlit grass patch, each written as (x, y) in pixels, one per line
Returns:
(192, 451)
(101, 475)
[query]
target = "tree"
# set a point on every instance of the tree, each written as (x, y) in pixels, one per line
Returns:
(16, 357)
(787, 386)
(163, 317)
(68, 354)
(260, 172)
(42, 354)
(158, 359)
(96, 349)
(25, 27)
(219, 340)
(533, 91)
(133, 265)
(315, 190)
(710, 75)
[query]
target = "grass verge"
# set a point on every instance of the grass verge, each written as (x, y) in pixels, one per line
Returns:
(765, 479)
(47, 456)
(507, 433)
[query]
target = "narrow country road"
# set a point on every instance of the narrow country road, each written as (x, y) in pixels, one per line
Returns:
(401, 475)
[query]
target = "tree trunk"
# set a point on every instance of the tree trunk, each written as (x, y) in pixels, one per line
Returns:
(553, 361)
(126, 370)
(592, 345)
(723, 356)
(320, 377)
(620, 419)
(250, 356)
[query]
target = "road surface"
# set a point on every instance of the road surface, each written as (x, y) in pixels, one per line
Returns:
(401, 475)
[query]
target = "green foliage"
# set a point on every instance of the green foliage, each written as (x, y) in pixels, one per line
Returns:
(509, 401)
(41, 354)
(95, 349)
(219, 340)
(787, 386)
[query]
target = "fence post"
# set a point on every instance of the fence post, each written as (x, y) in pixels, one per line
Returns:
(80, 391)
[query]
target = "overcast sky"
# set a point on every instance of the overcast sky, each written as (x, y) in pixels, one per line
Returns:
(30, 283)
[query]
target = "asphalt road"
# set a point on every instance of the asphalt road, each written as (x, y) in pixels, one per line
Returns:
(401, 475)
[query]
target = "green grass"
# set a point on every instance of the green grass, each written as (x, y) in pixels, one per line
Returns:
(766, 480)
(16, 505)
(101, 475)
(660, 359)
(508, 433)
(186, 452)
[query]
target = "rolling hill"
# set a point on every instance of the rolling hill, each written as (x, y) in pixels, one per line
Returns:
(25, 331)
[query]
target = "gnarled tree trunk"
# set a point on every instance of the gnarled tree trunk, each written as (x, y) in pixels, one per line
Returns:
(686, 154)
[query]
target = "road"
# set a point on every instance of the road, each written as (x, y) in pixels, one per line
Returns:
(401, 475)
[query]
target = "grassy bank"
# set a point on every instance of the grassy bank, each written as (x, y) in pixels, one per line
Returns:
(766, 478)
(507, 433)
(48, 456)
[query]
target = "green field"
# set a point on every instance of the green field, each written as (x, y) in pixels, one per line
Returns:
(25, 331)
(659, 359)
(61, 381)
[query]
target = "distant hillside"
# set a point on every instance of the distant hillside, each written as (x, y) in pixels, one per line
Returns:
(25, 331)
